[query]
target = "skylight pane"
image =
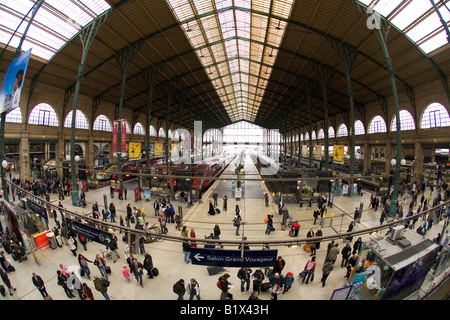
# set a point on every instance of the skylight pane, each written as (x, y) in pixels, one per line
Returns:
(237, 26)
(424, 28)
(425, 32)
(385, 7)
(56, 22)
(435, 42)
(411, 13)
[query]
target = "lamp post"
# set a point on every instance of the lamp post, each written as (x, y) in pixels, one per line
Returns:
(73, 174)
(4, 185)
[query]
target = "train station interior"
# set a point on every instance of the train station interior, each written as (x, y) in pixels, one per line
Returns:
(324, 124)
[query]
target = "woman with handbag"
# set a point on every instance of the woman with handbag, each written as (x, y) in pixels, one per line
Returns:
(101, 265)
(62, 282)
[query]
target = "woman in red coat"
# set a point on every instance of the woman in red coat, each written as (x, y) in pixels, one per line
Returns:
(193, 243)
(310, 267)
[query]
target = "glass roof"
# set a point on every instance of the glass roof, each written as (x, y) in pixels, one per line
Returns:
(55, 23)
(236, 42)
(417, 19)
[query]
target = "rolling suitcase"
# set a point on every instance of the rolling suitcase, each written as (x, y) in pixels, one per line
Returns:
(59, 241)
(265, 286)
(212, 270)
(155, 272)
(108, 269)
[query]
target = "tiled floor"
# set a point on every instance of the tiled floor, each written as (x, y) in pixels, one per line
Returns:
(168, 256)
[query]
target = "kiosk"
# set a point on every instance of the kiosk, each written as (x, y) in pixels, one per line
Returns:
(392, 267)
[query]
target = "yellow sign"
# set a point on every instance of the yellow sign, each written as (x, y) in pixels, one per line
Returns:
(134, 150)
(304, 151)
(173, 148)
(158, 149)
(318, 151)
(338, 154)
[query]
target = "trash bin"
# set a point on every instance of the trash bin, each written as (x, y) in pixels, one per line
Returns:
(52, 239)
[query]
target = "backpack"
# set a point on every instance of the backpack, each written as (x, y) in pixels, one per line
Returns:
(219, 284)
(310, 266)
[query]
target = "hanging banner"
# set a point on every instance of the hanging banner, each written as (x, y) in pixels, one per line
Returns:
(137, 195)
(304, 150)
(318, 151)
(338, 154)
(114, 135)
(158, 149)
(134, 150)
(123, 136)
(13, 83)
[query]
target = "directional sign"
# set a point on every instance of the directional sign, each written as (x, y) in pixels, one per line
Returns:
(89, 232)
(233, 258)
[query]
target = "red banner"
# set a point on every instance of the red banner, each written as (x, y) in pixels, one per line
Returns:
(123, 136)
(114, 135)
(84, 185)
(136, 194)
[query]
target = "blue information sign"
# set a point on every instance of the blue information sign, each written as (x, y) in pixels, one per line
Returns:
(91, 233)
(233, 258)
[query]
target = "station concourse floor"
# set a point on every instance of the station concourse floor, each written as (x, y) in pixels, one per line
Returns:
(168, 256)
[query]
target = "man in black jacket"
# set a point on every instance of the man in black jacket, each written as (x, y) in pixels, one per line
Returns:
(179, 289)
(244, 275)
(39, 284)
(148, 265)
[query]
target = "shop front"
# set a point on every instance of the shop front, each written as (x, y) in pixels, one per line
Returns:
(29, 226)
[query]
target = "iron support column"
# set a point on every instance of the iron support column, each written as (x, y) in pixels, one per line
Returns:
(347, 56)
(124, 60)
(381, 29)
(150, 77)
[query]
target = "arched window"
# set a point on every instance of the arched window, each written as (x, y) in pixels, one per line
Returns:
(138, 129)
(301, 137)
(406, 121)
(377, 125)
(102, 123)
(359, 128)
(152, 131)
(307, 136)
(313, 135)
(435, 115)
(321, 134)
(170, 134)
(330, 132)
(43, 114)
(80, 120)
(14, 116)
(161, 133)
(342, 131)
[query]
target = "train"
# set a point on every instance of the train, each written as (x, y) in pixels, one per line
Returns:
(183, 173)
(130, 169)
(107, 172)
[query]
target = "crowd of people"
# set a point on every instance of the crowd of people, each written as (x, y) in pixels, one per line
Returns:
(275, 279)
